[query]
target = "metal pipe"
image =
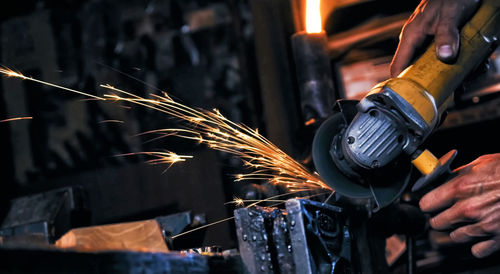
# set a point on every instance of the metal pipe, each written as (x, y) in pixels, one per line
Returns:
(314, 75)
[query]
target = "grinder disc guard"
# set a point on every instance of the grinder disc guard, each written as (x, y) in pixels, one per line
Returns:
(383, 185)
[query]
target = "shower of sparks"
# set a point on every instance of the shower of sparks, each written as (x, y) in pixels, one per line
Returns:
(16, 119)
(268, 162)
(213, 129)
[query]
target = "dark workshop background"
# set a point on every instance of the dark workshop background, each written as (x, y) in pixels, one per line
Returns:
(233, 55)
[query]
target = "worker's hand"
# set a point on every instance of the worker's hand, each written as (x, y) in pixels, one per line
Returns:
(439, 18)
(470, 204)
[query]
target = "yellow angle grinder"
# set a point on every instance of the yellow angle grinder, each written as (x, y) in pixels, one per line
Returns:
(367, 148)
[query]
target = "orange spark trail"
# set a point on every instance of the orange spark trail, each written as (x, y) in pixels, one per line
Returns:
(111, 121)
(161, 157)
(10, 73)
(202, 227)
(16, 119)
(241, 202)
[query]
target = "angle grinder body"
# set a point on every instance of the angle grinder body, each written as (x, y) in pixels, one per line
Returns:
(367, 148)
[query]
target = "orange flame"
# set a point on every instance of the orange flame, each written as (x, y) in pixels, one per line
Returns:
(313, 16)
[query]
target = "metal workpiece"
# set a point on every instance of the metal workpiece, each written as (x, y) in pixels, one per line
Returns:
(307, 237)
(254, 241)
(314, 74)
(282, 243)
(319, 238)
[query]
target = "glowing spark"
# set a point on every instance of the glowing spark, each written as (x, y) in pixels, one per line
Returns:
(202, 227)
(304, 197)
(310, 122)
(111, 121)
(10, 73)
(161, 157)
(237, 201)
(16, 119)
(174, 132)
(241, 202)
(273, 198)
(329, 197)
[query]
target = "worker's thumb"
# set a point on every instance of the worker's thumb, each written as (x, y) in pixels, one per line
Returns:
(447, 43)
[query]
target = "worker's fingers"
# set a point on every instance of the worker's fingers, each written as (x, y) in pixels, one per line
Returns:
(486, 248)
(465, 185)
(468, 233)
(441, 18)
(481, 208)
(403, 55)
(487, 226)
(441, 197)
(455, 214)
(451, 17)
(412, 37)
(447, 34)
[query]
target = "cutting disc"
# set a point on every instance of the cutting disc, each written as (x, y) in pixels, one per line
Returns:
(383, 188)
